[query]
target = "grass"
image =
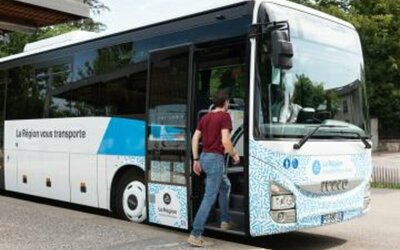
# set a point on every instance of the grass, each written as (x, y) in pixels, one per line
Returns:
(385, 185)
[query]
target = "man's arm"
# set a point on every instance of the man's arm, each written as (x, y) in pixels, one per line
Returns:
(228, 146)
(195, 152)
(195, 144)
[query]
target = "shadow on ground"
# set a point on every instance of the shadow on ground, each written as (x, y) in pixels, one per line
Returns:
(55, 203)
(294, 240)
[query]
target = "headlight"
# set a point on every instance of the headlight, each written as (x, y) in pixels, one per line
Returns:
(285, 216)
(283, 204)
(279, 202)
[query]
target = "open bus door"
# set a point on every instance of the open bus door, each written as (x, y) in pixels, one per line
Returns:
(168, 136)
(222, 66)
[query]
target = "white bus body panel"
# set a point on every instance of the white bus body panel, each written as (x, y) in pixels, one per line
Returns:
(86, 153)
(37, 167)
(10, 169)
(303, 172)
(34, 135)
(102, 189)
(84, 170)
(43, 155)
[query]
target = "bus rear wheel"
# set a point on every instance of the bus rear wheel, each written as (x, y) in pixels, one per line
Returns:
(131, 198)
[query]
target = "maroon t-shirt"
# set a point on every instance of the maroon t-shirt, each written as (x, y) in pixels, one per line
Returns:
(210, 127)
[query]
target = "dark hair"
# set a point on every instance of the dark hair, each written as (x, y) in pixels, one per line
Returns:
(220, 97)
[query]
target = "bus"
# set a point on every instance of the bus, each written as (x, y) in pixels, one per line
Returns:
(106, 121)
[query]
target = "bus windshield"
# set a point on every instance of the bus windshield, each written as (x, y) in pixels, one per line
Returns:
(325, 85)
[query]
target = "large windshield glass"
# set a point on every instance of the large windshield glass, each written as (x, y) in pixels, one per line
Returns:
(325, 85)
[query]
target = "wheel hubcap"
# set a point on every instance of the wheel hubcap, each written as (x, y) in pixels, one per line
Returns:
(134, 201)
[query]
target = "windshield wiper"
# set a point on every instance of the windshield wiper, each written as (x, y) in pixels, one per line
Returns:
(303, 140)
(364, 139)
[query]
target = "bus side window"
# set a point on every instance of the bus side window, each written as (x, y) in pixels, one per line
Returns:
(120, 95)
(25, 99)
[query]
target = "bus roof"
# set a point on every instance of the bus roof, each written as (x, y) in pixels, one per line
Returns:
(163, 15)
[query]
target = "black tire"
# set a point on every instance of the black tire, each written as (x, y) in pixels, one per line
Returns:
(130, 198)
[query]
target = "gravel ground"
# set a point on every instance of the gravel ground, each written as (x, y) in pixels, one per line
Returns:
(30, 225)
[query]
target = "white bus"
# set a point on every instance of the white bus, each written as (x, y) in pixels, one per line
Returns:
(106, 121)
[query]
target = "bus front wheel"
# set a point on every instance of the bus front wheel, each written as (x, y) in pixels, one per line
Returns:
(131, 199)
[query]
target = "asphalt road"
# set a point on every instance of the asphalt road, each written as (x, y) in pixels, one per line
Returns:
(26, 224)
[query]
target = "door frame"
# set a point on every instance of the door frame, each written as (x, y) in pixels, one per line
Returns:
(190, 49)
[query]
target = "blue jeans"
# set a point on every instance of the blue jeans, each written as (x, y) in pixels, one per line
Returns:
(217, 182)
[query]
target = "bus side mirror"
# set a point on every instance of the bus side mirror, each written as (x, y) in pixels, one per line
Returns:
(282, 50)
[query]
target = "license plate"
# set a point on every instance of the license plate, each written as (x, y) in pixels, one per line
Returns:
(332, 218)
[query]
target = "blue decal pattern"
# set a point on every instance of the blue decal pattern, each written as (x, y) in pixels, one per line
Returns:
(286, 163)
(266, 166)
(295, 163)
(181, 193)
(123, 137)
(316, 167)
(130, 160)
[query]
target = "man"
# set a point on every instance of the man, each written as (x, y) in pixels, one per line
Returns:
(214, 129)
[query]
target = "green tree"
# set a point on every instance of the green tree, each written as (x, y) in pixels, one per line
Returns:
(378, 23)
(309, 94)
(14, 42)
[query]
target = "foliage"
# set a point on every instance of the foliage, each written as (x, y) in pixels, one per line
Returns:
(14, 42)
(378, 23)
(385, 185)
(310, 95)
(231, 78)
(107, 59)
(96, 6)
(27, 96)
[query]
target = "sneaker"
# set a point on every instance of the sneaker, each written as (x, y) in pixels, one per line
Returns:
(227, 225)
(197, 241)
